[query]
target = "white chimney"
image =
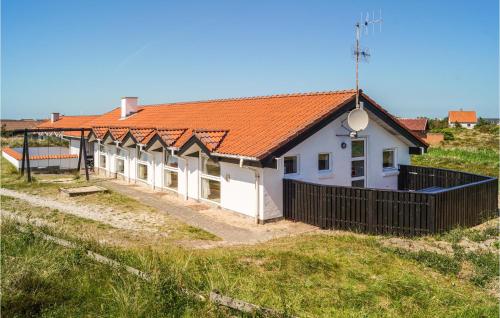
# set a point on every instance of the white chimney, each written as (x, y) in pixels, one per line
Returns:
(128, 106)
(54, 117)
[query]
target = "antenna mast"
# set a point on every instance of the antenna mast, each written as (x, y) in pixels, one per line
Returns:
(363, 53)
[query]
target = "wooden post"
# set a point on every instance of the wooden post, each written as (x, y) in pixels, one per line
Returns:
(371, 206)
(24, 151)
(80, 153)
(27, 156)
(84, 150)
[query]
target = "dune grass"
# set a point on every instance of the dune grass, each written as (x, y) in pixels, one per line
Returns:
(313, 275)
(474, 151)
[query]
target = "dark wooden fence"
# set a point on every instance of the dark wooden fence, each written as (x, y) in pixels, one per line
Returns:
(461, 200)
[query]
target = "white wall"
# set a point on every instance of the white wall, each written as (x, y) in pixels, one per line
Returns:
(327, 140)
(74, 146)
(463, 125)
(193, 177)
(64, 164)
(238, 192)
(12, 160)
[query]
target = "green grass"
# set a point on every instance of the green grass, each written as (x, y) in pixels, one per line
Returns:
(309, 276)
(479, 161)
(41, 279)
(470, 150)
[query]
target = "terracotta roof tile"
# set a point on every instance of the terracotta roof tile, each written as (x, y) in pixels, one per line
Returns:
(142, 135)
(99, 132)
(70, 122)
(118, 133)
(19, 156)
(414, 124)
(211, 138)
(462, 116)
(254, 124)
(170, 136)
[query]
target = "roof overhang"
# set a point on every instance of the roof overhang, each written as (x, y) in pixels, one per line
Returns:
(193, 144)
(268, 159)
(155, 143)
(129, 140)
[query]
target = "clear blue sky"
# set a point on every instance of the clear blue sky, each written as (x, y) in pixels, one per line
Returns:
(80, 57)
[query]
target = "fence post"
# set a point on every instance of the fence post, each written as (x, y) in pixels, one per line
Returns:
(371, 206)
(25, 140)
(432, 214)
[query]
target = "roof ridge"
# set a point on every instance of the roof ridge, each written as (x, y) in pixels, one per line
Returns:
(255, 97)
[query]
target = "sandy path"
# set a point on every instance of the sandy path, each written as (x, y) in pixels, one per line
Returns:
(136, 221)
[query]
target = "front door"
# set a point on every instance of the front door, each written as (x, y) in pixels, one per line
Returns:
(358, 162)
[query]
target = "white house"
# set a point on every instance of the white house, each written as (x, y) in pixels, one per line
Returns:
(466, 119)
(54, 156)
(234, 153)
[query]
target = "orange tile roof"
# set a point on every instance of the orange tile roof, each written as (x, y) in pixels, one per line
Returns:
(254, 125)
(211, 138)
(414, 124)
(13, 124)
(251, 127)
(19, 156)
(70, 122)
(118, 133)
(461, 116)
(170, 136)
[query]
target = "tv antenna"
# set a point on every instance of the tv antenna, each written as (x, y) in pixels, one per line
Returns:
(364, 54)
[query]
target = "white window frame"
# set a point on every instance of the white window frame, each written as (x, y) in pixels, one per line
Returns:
(329, 162)
(395, 164)
(169, 168)
(118, 157)
(142, 162)
(208, 177)
(364, 158)
(298, 166)
(101, 154)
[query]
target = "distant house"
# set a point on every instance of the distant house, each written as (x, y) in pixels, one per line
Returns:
(53, 156)
(420, 127)
(417, 125)
(466, 119)
(9, 125)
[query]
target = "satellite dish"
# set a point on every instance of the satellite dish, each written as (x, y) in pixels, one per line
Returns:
(357, 119)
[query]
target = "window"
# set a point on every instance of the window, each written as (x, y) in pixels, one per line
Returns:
(170, 161)
(120, 160)
(210, 190)
(358, 148)
(357, 168)
(324, 162)
(120, 166)
(143, 156)
(120, 152)
(291, 164)
(389, 159)
(170, 179)
(170, 171)
(102, 156)
(358, 183)
(210, 179)
(142, 165)
(210, 167)
(142, 171)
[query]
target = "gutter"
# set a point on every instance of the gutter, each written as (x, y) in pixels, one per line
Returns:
(257, 189)
(215, 154)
